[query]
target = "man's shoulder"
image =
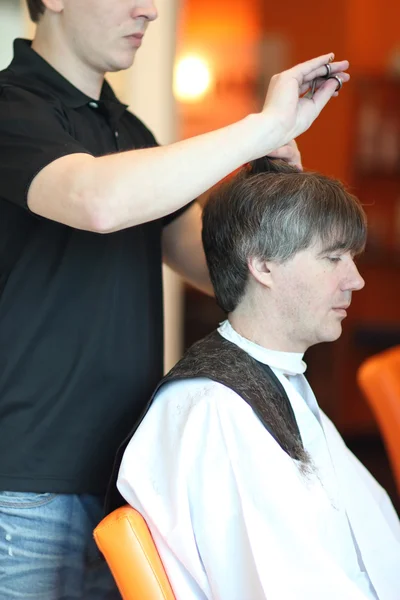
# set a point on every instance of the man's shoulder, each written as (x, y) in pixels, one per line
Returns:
(19, 92)
(196, 395)
(189, 385)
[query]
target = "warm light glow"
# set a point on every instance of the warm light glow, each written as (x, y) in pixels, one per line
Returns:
(192, 78)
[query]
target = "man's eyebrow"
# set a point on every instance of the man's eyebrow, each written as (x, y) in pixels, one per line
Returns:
(334, 247)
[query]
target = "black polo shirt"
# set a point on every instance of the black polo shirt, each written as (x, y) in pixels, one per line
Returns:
(81, 329)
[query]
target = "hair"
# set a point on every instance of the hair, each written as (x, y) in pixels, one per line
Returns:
(271, 210)
(36, 9)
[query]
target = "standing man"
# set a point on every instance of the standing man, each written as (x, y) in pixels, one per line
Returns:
(89, 207)
(248, 489)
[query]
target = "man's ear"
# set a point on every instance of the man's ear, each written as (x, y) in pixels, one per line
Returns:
(259, 268)
(55, 6)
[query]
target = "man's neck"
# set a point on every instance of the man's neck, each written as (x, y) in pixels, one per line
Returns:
(59, 56)
(259, 325)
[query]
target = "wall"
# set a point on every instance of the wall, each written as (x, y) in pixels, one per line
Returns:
(11, 26)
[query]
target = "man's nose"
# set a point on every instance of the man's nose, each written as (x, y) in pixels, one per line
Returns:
(355, 281)
(145, 9)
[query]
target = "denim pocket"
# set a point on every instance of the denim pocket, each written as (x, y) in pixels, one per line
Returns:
(25, 499)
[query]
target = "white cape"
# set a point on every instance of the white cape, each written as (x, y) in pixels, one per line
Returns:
(233, 516)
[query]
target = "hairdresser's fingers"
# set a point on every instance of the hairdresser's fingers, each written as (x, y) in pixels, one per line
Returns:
(324, 93)
(286, 87)
(304, 76)
(285, 108)
(290, 153)
(345, 77)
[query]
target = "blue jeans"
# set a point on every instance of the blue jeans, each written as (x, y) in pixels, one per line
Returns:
(47, 551)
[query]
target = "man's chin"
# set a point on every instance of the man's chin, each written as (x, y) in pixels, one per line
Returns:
(334, 334)
(330, 336)
(122, 63)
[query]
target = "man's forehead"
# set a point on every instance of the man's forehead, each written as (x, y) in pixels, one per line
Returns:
(332, 245)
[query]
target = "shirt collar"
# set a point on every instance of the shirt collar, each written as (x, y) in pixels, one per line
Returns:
(30, 64)
(290, 363)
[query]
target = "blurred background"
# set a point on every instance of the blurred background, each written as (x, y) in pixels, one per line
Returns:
(207, 63)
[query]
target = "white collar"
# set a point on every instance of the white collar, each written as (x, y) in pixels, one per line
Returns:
(290, 363)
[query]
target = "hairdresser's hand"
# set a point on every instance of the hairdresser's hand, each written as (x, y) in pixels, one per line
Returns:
(289, 153)
(291, 113)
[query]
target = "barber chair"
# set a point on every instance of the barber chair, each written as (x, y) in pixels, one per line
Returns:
(379, 380)
(126, 543)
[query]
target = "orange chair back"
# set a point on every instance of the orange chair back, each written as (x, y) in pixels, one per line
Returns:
(379, 379)
(126, 543)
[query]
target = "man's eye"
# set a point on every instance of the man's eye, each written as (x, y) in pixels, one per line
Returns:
(334, 259)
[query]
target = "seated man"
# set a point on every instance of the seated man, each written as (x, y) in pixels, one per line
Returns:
(248, 489)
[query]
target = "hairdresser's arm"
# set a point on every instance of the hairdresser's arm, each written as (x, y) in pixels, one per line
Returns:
(121, 190)
(183, 249)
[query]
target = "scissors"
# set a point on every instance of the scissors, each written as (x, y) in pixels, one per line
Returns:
(311, 91)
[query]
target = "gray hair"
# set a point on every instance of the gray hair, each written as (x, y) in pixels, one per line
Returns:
(271, 210)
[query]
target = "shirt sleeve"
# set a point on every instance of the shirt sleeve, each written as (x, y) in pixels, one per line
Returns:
(33, 134)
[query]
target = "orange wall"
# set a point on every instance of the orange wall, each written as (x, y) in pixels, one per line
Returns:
(229, 32)
(373, 32)
(314, 29)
